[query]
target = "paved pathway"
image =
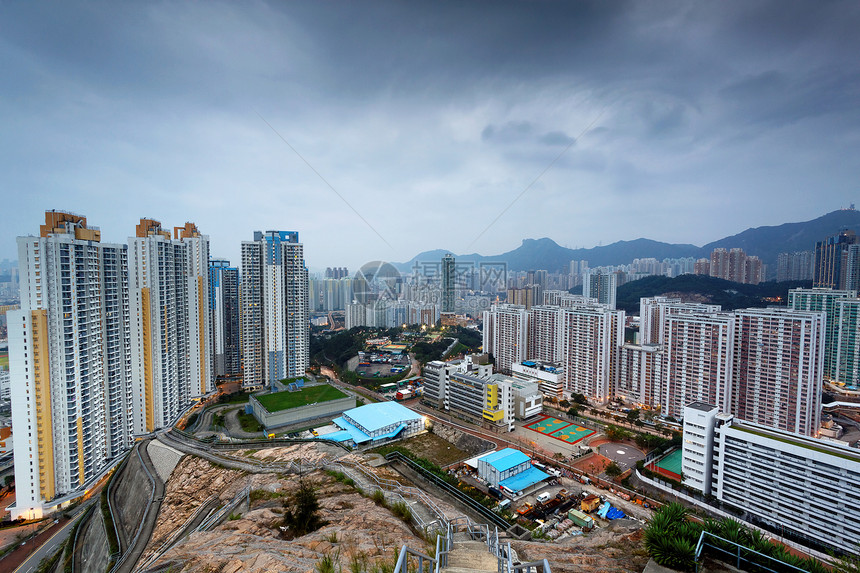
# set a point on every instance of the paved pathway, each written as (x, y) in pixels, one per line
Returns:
(164, 458)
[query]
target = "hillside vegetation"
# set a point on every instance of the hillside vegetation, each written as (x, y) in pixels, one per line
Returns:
(711, 290)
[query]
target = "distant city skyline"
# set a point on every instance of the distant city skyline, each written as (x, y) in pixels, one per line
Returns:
(379, 130)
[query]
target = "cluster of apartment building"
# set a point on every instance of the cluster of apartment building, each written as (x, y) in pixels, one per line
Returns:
(582, 336)
(732, 265)
(389, 314)
(115, 340)
(764, 365)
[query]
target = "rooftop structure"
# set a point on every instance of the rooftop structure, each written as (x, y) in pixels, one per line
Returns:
(510, 470)
(377, 422)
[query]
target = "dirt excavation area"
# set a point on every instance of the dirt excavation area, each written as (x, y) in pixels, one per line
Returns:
(360, 531)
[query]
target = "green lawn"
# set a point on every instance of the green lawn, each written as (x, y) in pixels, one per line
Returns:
(311, 395)
(4, 359)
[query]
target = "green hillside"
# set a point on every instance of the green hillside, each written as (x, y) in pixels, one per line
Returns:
(709, 289)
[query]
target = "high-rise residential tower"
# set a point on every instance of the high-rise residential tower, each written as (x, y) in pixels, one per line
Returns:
(545, 333)
(826, 300)
(591, 340)
(449, 276)
(831, 255)
(170, 321)
(601, 286)
(777, 375)
(224, 306)
(506, 334)
(274, 302)
(699, 360)
(69, 362)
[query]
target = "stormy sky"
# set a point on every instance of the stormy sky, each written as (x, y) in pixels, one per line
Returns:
(381, 129)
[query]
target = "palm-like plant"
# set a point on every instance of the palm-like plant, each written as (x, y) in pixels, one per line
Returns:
(673, 552)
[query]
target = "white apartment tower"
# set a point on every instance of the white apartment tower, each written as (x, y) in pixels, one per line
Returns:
(699, 361)
(591, 340)
(653, 312)
(170, 321)
(506, 334)
(274, 302)
(545, 333)
(640, 378)
(69, 362)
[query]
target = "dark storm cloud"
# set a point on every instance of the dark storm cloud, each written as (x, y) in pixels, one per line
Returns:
(412, 110)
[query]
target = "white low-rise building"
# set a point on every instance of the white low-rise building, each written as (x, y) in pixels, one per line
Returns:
(699, 421)
(805, 487)
(550, 376)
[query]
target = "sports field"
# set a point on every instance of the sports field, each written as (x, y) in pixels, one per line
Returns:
(670, 465)
(310, 395)
(4, 359)
(560, 430)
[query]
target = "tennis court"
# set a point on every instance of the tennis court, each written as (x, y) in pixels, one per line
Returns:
(670, 465)
(560, 430)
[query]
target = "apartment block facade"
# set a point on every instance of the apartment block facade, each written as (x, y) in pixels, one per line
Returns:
(224, 309)
(170, 323)
(506, 334)
(778, 372)
(274, 302)
(69, 362)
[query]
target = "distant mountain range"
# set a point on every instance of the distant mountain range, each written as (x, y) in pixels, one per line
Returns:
(764, 242)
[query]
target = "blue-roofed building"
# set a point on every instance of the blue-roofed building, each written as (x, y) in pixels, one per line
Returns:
(373, 423)
(510, 471)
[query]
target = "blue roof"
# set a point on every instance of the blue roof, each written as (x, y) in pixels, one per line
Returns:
(341, 436)
(505, 459)
(372, 417)
(350, 432)
(524, 479)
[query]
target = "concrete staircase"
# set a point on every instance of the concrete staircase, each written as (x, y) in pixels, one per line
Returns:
(471, 557)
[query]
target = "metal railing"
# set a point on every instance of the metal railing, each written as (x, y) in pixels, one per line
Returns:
(396, 488)
(482, 532)
(740, 555)
(486, 513)
(403, 561)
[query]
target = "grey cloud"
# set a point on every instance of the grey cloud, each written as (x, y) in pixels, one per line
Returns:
(508, 132)
(556, 138)
(131, 109)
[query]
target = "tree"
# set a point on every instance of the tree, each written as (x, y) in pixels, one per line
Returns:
(633, 415)
(616, 434)
(301, 510)
(612, 470)
(564, 404)
(579, 398)
(572, 412)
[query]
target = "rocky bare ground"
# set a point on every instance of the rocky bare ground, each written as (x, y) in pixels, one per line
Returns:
(358, 529)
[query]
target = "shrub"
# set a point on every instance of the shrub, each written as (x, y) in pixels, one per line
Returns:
(301, 510)
(401, 511)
